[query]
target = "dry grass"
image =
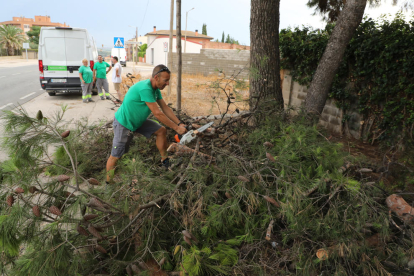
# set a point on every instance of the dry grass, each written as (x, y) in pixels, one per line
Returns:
(203, 95)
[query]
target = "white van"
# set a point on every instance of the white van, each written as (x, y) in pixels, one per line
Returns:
(61, 51)
(121, 54)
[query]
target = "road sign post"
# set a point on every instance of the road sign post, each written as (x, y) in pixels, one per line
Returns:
(165, 51)
(119, 43)
(26, 46)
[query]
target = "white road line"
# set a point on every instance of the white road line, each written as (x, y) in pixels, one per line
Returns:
(28, 95)
(16, 74)
(4, 106)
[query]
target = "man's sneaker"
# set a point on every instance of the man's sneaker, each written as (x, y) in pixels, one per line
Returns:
(85, 101)
(108, 98)
(90, 100)
(166, 163)
(102, 98)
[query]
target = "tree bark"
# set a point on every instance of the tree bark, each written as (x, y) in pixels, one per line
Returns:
(264, 53)
(179, 54)
(348, 22)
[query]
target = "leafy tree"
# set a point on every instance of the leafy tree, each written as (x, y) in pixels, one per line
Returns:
(204, 30)
(222, 38)
(348, 21)
(228, 39)
(264, 53)
(11, 38)
(142, 50)
(34, 34)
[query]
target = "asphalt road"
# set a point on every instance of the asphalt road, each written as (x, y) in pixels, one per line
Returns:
(18, 85)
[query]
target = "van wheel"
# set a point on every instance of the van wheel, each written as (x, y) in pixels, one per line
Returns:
(52, 93)
(94, 91)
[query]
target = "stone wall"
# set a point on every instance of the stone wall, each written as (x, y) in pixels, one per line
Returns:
(294, 95)
(213, 61)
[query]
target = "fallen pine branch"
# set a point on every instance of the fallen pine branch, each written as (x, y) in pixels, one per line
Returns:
(182, 150)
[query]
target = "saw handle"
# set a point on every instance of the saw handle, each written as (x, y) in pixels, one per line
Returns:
(178, 137)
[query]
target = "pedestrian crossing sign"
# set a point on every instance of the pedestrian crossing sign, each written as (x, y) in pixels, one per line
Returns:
(119, 42)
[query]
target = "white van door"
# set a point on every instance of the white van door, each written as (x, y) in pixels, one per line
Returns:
(76, 43)
(54, 55)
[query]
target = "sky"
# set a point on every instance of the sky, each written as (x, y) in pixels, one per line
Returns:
(106, 19)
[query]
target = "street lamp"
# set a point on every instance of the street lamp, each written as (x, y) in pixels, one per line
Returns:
(136, 40)
(185, 40)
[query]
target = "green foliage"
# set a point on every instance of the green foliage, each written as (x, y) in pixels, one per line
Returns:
(11, 38)
(231, 40)
(204, 30)
(142, 50)
(222, 38)
(376, 74)
(223, 205)
(33, 35)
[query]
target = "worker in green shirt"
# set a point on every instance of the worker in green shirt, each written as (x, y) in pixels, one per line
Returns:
(99, 76)
(86, 75)
(142, 99)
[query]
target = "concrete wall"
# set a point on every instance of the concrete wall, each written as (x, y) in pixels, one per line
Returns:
(294, 95)
(30, 54)
(210, 61)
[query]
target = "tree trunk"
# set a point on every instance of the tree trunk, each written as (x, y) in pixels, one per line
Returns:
(179, 54)
(348, 22)
(264, 53)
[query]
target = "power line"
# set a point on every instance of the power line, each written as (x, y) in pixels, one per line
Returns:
(144, 15)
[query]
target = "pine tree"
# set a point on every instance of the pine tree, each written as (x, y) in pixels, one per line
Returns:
(204, 30)
(228, 39)
(222, 38)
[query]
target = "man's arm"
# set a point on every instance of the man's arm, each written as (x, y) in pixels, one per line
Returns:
(110, 67)
(164, 119)
(168, 111)
(117, 71)
(94, 75)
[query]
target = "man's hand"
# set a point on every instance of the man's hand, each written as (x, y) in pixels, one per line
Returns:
(180, 130)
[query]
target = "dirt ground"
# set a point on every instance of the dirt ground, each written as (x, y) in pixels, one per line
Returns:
(202, 95)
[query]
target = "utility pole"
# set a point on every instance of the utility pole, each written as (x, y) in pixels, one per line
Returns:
(179, 55)
(170, 46)
(136, 46)
(185, 40)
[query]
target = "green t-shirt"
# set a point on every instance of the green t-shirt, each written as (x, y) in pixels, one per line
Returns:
(87, 74)
(134, 110)
(100, 68)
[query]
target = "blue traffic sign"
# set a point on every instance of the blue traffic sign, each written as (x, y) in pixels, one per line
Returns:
(119, 42)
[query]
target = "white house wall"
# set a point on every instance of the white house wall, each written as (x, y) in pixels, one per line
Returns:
(160, 55)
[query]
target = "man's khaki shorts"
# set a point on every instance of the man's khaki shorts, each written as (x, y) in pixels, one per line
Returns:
(117, 86)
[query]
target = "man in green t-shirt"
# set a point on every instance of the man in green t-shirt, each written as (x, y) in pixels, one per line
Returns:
(99, 76)
(143, 98)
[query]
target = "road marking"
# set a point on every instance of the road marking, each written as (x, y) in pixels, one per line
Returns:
(4, 106)
(28, 95)
(40, 89)
(16, 74)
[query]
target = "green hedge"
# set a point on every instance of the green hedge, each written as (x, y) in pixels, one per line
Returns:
(376, 75)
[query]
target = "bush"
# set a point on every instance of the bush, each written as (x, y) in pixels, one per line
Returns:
(376, 74)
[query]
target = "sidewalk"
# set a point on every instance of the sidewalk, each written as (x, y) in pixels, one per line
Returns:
(5, 62)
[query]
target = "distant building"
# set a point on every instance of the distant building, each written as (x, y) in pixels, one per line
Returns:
(129, 47)
(26, 23)
(156, 40)
(155, 53)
